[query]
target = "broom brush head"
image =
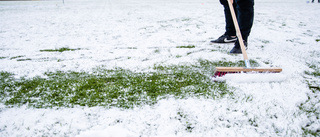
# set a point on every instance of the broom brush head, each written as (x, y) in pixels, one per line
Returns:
(221, 71)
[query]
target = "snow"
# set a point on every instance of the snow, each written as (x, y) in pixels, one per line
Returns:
(126, 34)
(252, 77)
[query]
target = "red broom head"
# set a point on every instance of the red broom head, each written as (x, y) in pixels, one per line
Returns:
(221, 74)
(222, 71)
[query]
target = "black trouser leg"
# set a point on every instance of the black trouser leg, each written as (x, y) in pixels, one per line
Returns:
(230, 30)
(245, 12)
(245, 15)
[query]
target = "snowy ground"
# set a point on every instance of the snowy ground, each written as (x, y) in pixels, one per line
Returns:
(136, 35)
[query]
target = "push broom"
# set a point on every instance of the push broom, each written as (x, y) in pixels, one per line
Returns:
(221, 71)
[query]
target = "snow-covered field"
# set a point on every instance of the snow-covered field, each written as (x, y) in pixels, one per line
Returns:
(138, 34)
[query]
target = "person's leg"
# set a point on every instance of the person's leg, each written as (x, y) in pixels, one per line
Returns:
(230, 30)
(230, 34)
(245, 14)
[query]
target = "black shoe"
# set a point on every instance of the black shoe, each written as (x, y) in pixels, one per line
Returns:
(236, 49)
(225, 39)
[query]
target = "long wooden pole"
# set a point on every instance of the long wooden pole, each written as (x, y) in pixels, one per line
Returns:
(240, 39)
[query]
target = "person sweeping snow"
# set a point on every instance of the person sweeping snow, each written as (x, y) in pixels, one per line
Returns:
(244, 10)
(245, 17)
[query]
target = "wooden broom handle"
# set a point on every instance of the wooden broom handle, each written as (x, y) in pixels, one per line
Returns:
(236, 25)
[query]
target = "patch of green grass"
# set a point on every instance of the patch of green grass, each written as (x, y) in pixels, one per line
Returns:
(197, 51)
(189, 46)
(185, 121)
(20, 58)
(308, 133)
(59, 50)
(313, 85)
(132, 48)
(113, 88)
(157, 51)
(185, 19)
(310, 106)
(265, 41)
(178, 56)
(16, 57)
(26, 59)
(317, 40)
(2, 57)
(316, 70)
(6, 83)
